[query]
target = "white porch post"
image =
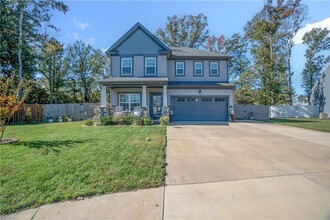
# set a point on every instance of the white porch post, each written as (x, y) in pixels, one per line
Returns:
(165, 96)
(103, 96)
(144, 96)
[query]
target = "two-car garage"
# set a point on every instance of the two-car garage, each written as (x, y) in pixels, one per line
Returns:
(200, 108)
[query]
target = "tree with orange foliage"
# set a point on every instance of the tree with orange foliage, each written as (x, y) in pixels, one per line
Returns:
(10, 101)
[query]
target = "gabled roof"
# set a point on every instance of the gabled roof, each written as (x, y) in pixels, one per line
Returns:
(187, 52)
(137, 26)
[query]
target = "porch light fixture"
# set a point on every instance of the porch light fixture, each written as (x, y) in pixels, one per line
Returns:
(200, 91)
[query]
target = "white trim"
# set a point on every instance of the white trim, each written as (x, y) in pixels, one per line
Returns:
(144, 96)
(164, 96)
(217, 74)
(201, 68)
(122, 66)
(103, 96)
(146, 66)
(176, 68)
(129, 100)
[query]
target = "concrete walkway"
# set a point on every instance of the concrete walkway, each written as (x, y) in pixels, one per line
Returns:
(240, 171)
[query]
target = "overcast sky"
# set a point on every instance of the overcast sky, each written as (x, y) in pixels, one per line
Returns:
(101, 23)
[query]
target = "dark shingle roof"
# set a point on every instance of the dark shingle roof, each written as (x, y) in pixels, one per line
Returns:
(191, 52)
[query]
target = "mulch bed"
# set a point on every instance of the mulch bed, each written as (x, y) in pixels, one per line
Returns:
(8, 141)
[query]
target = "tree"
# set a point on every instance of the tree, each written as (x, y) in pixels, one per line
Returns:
(216, 44)
(20, 33)
(318, 43)
(289, 28)
(85, 67)
(268, 49)
(51, 66)
(237, 47)
(185, 31)
(247, 88)
(9, 100)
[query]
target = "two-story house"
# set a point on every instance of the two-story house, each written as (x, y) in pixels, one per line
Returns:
(147, 74)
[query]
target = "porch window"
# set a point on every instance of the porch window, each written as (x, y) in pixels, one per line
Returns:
(129, 101)
(214, 68)
(198, 70)
(150, 66)
(179, 68)
(126, 66)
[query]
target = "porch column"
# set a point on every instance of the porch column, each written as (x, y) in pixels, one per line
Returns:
(144, 96)
(103, 96)
(165, 96)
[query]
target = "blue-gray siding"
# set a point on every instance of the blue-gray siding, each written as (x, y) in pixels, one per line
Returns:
(139, 44)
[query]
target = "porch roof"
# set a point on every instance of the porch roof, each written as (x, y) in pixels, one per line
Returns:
(200, 84)
(137, 81)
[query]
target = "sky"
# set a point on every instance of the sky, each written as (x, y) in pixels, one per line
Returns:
(102, 23)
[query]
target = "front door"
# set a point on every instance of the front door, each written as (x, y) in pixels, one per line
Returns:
(156, 103)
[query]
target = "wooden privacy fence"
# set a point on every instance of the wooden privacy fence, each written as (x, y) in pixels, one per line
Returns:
(78, 111)
(37, 111)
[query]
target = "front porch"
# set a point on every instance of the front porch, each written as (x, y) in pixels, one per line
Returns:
(136, 96)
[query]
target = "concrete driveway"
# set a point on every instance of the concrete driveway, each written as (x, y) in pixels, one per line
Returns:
(247, 170)
(240, 171)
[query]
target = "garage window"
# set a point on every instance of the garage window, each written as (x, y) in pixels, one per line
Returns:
(192, 99)
(129, 101)
(220, 99)
(206, 99)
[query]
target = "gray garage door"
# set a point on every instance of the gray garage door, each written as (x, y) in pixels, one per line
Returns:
(200, 108)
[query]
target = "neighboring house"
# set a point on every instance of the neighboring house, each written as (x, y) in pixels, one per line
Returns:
(148, 75)
(320, 94)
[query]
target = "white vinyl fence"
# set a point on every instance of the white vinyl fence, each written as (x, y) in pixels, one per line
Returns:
(260, 112)
(299, 111)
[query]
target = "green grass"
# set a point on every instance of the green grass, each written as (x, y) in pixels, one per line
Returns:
(309, 123)
(62, 161)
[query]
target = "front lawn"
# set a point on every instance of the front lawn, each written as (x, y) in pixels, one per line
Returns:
(62, 161)
(309, 123)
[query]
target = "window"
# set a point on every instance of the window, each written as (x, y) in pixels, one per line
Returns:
(129, 101)
(126, 66)
(214, 69)
(192, 99)
(179, 99)
(198, 70)
(179, 68)
(220, 99)
(206, 99)
(150, 66)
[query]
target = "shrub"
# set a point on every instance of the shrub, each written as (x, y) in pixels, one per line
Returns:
(147, 121)
(118, 120)
(107, 121)
(138, 121)
(97, 118)
(28, 118)
(88, 122)
(128, 120)
(164, 120)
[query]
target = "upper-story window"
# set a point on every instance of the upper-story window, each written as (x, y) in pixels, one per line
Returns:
(179, 68)
(198, 68)
(214, 69)
(150, 66)
(126, 66)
